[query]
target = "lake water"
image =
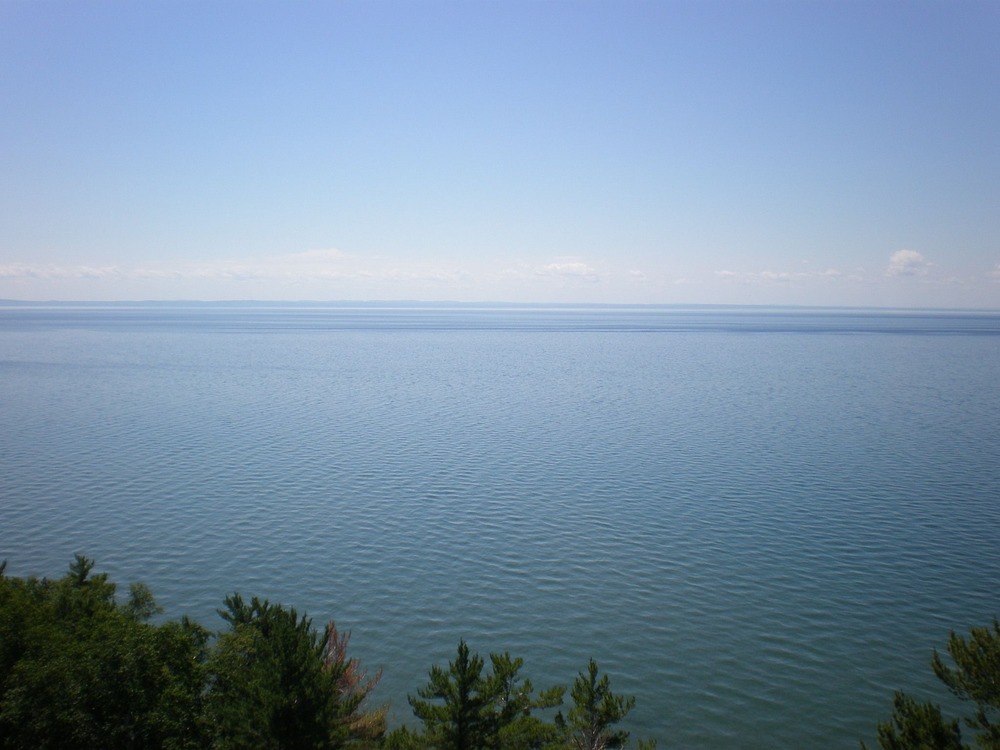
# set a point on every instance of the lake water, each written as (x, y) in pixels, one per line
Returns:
(758, 521)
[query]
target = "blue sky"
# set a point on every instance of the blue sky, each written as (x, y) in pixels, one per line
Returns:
(834, 153)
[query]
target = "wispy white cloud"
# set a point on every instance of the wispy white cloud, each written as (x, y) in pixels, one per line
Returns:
(305, 266)
(442, 276)
(907, 263)
(52, 271)
(560, 269)
(778, 277)
(304, 274)
(995, 274)
(323, 269)
(567, 268)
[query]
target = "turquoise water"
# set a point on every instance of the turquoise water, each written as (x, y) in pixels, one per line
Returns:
(759, 522)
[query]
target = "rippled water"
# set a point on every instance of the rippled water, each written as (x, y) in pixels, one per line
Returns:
(759, 522)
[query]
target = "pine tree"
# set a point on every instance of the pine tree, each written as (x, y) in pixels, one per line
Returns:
(917, 726)
(516, 726)
(461, 720)
(464, 708)
(364, 725)
(595, 711)
(80, 670)
(277, 684)
(975, 677)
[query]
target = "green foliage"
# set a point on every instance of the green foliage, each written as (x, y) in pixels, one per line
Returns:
(917, 726)
(404, 738)
(463, 708)
(975, 677)
(271, 684)
(460, 721)
(596, 709)
(79, 670)
(515, 726)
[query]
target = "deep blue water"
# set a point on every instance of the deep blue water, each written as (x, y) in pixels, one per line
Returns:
(758, 521)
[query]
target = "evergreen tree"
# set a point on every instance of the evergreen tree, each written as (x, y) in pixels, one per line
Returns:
(80, 670)
(975, 677)
(463, 708)
(515, 725)
(589, 725)
(274, 683)
(460, 721)
(364, 725)
(917, 726)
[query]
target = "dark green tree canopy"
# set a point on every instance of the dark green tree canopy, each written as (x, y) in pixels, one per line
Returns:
(81, 669)
(464, 708)
(917, 726)
(596, 710)
(273, 683)
(453, 706)
(78, 669)
(973, 675)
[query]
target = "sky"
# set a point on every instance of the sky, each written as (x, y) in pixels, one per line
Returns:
(633, 152)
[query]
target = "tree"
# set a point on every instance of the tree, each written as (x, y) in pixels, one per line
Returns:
(276, 684)
(463, 708)
(974, 677)
(516, 726)
(80, 670)
(460, 721)
(366, 725)
(917, 726)
(595, 710)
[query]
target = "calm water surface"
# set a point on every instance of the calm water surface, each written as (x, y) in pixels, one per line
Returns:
(759, 522)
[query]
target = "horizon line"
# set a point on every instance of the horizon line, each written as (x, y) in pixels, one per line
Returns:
(458, 304)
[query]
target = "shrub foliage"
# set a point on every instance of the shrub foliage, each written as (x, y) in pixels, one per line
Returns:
(82, 668)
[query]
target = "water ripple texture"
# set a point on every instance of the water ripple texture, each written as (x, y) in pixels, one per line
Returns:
(758, 523)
